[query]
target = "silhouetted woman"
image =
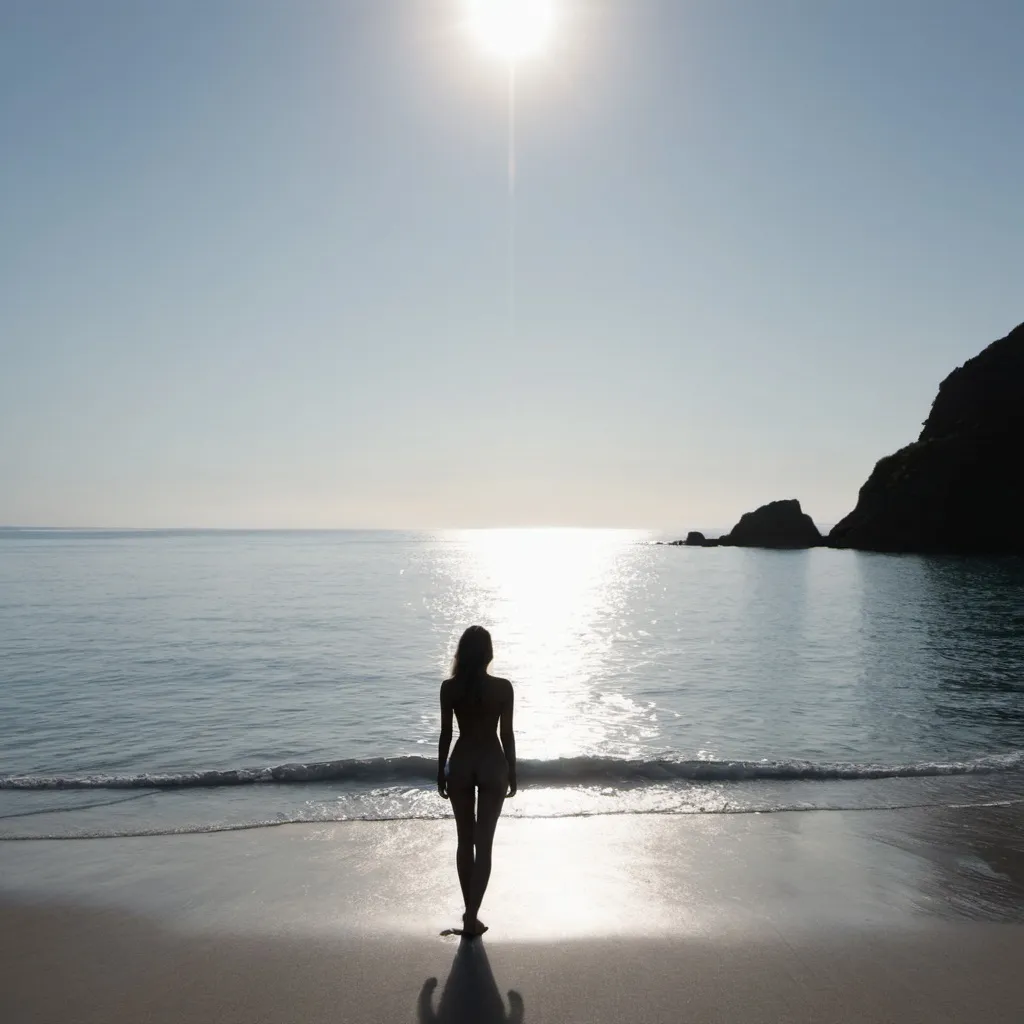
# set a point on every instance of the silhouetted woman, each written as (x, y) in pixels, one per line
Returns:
(481, 770)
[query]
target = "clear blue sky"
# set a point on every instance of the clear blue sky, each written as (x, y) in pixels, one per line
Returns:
(253, 256)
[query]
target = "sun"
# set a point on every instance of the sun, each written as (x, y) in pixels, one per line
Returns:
(512, 29)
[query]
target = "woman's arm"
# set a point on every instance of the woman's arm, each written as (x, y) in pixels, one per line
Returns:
(508, 738)
(445, 742)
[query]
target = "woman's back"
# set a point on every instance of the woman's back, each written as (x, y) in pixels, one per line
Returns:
(478, 705)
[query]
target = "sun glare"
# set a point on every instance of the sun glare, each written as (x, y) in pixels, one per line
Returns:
(512, 29)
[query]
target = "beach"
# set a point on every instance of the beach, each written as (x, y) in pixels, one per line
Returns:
(815, 916)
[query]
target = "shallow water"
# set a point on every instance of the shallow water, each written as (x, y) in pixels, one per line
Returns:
(729, 680)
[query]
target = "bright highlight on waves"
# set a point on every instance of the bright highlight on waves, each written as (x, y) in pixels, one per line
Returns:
(512, 29)
(565, 771)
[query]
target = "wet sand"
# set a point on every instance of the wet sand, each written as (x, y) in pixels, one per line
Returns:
(823, 916)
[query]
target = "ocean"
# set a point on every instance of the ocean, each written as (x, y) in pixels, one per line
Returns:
(160, 682)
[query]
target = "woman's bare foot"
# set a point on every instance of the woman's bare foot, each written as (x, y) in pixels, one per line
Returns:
(472, 926)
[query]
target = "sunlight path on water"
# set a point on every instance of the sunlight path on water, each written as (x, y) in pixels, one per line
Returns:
(554, 600)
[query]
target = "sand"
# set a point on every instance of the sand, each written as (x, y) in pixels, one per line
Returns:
(824, 916)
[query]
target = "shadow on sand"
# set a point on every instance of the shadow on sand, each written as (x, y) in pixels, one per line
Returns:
(470, 994)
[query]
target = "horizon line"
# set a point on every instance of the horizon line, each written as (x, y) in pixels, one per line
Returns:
(680, 531)
(15, 527)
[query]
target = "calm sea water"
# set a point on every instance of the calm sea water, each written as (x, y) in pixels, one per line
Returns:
(167, 681)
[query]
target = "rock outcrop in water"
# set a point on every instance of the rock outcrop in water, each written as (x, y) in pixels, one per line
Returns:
(694, 539)
(959, 487)
(779, 524)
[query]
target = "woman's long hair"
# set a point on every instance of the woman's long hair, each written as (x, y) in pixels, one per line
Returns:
(469, 666)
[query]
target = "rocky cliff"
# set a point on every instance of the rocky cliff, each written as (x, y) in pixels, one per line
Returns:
(959, 487)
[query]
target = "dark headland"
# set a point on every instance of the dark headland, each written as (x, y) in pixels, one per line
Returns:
(957, 489)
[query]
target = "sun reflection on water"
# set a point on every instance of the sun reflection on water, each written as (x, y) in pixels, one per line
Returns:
(556, 602)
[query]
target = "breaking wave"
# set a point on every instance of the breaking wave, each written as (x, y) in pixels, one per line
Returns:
(572, 771)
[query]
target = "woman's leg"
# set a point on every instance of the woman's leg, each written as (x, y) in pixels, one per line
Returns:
(489, 806)
(463, 799)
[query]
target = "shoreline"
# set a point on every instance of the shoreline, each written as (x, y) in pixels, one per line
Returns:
(41, 815)
(970, 853)
(257, 826)
(832, 916)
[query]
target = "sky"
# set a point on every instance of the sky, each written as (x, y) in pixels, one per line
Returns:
(254, 257)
